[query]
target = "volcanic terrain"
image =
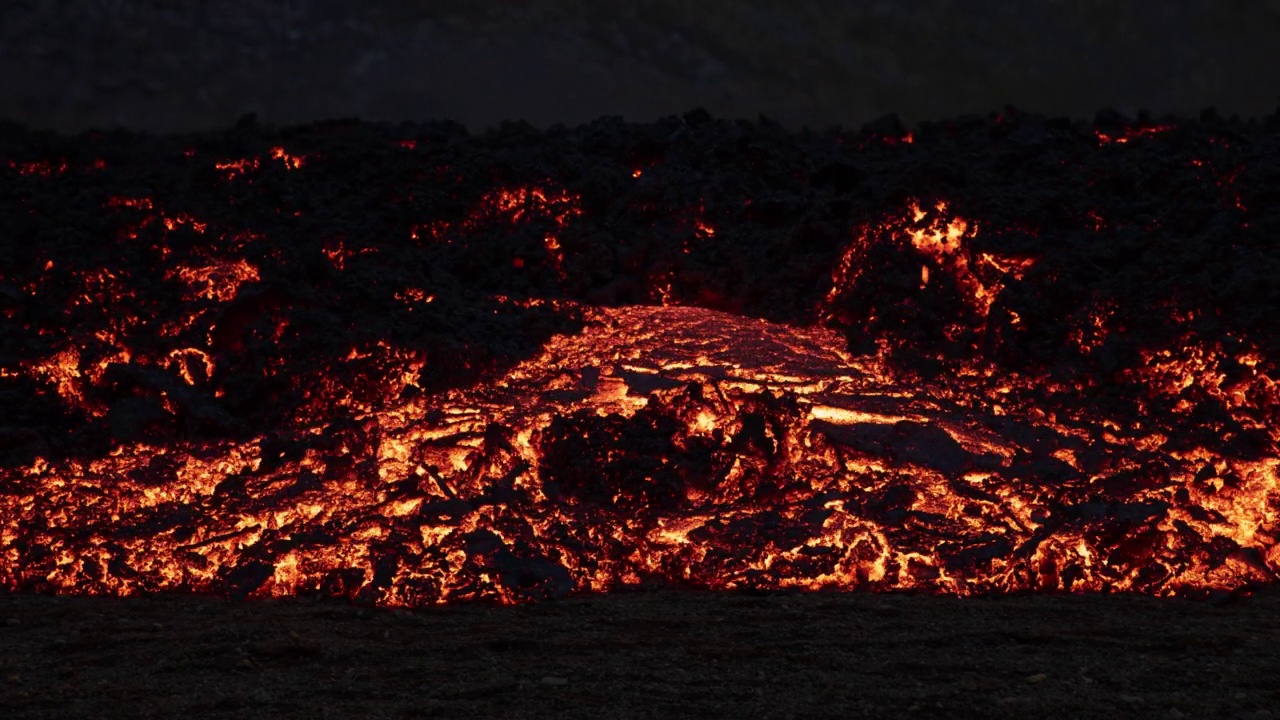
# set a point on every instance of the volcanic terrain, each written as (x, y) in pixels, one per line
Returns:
(406, 366)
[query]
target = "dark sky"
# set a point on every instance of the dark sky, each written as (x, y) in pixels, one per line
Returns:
(177, 64)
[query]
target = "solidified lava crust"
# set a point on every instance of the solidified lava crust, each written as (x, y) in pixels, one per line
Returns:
(409, 365)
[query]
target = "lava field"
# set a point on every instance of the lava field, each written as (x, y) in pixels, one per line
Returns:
(409, 365)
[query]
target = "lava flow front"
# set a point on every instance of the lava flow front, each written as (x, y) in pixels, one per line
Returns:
(408, 366)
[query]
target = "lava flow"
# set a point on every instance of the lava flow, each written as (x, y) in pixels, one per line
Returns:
(424, 368)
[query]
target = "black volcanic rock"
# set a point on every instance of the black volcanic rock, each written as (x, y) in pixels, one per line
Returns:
(1076, 316)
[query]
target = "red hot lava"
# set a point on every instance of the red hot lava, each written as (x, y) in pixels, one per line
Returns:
(649, 440)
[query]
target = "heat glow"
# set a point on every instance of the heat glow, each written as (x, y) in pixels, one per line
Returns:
(663, 443)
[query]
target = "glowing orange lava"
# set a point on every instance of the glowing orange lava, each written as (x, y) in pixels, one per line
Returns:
(660, 444)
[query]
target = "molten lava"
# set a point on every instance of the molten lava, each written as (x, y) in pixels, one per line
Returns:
(638, 442)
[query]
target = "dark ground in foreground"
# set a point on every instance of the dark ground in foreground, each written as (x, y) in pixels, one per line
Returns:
(661, 654)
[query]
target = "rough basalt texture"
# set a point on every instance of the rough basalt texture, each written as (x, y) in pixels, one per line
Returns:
(1058, 336)
(1177, 220)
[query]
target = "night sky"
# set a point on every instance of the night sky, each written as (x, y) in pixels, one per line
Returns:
(171, 66)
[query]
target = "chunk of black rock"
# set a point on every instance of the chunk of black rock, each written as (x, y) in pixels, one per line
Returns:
(837, 176)
(697, 117)
(890, 125)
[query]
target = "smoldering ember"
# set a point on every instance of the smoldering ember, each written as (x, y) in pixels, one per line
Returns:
(410, 365)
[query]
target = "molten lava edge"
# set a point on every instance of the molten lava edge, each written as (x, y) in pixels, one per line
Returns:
(410, 366)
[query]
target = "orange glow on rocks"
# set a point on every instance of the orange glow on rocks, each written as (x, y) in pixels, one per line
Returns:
(761, 424)
(441, 369)
(246, 167)
(1129, 134)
